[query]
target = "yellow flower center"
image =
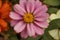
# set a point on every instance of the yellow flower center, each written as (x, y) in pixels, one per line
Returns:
(28, 17)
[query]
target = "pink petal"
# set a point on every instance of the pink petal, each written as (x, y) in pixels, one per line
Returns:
(42, 14)
(37, 5)
(13, 22)
(19, 9)
(15, 16)
(44, 8)
(24, 34)
(19, 27)
(32, 0)
(23, 3)
(28, 7)
(37, 10)
(30, 30)
(42, 24)
(41, 9)
(41, 17)
(38, 30)
(32, 7)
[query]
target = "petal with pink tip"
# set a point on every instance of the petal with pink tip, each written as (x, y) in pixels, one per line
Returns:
(28, 7)
(40, 19)
(32, 0)
(24, 34)
(30, 30)
(41, 16)
(32, 7)
(15, 16)
(22, 2)
(37, 4)
(19, 9)
(19, 27)
(41, 9)
(42, 24)
(44, 8)
(38, 30)
(14, 22)
(37, 10)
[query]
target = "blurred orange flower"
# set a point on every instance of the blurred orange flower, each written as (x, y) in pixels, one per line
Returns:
(5, 8)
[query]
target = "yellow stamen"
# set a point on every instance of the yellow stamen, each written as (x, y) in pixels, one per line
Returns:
(28, 17)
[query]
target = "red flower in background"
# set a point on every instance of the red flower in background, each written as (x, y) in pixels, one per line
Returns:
(4, 15)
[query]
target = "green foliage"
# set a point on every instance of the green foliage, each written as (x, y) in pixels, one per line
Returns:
(14, 1)
(52, 10)
(52, 2)
(30, 38)
(46, 36)
(54, 24)
(12, 35)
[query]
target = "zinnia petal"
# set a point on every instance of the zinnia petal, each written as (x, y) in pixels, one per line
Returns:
(38, 30)
(41, 17)
(13, 22)
(15, 16)
(37, 4)
(19, 27)
(44, 8)
(22, 2)
(42, 24)
(19, 9)
(37, 10)
(24, 34)
(30, 30)
(30, 5)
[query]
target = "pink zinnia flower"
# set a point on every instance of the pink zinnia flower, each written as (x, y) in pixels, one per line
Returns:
(29, 18)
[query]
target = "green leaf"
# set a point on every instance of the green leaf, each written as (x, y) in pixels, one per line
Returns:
(30, 38)
(52, 10)
(47, 36)
(13, 37)
(54, 24)
(52, 2)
